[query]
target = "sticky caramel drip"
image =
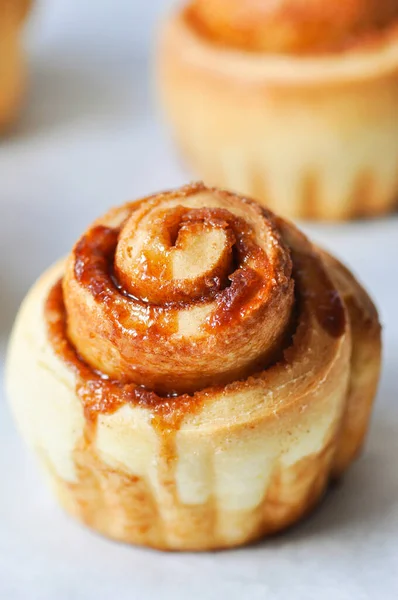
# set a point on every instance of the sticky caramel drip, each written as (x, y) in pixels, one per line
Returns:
(99, 394)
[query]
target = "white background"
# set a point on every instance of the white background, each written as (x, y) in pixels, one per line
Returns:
(90, 138)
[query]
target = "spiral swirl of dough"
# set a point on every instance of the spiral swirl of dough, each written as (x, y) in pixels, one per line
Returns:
(186, 290)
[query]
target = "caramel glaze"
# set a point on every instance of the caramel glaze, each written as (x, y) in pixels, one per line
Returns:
(102, 395)
(230, 290)
(154, 282)
(247, 286)
(245, 281)
(294, 26)
(98, 393)
(94, 270)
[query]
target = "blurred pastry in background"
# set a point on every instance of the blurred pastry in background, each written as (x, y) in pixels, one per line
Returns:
(293, 102)
(195, 373)
(12, 64)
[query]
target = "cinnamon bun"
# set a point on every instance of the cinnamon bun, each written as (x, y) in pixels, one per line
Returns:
(292, 102)
(195, 372)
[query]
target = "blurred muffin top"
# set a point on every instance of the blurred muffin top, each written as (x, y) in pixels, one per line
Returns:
(292, 26)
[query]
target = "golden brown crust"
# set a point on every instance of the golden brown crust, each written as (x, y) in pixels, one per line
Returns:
(244, 458)
(292, 26)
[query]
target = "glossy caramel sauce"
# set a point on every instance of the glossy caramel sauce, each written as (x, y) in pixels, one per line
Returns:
(94, 255)
(220, 286)
(245, 281)
(98, 393)
(248, 285)
(134, 320)
(152, 280)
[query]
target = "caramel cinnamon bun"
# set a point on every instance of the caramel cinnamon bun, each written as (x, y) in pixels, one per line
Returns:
(195, 373)
(292, 102)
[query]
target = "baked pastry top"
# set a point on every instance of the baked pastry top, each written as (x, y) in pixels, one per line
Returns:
(293, 26)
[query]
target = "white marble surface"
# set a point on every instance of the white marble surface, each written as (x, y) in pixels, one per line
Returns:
(89, 139)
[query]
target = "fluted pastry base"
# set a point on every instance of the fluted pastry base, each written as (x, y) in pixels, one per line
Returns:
(309, 137)
(12, 63)
(124, 507)
(249, 463)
